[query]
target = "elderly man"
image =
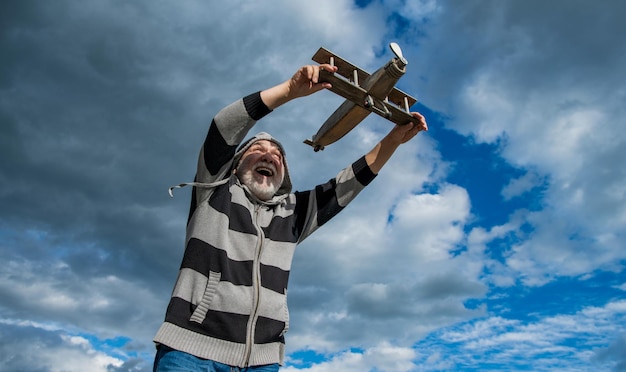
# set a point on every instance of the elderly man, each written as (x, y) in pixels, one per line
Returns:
(228, 310)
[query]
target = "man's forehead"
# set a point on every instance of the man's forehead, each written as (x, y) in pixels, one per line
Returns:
(265, 143)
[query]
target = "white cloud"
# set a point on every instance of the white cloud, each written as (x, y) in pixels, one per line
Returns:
(32, 346)
(398, 275)
(530, 86)
(497, 341)
(521, 185)
(383, 357)
(47, 291)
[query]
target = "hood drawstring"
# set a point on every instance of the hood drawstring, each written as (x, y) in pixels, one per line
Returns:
(197, 184)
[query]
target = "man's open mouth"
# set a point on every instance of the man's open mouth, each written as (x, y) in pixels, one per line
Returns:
(265, 171)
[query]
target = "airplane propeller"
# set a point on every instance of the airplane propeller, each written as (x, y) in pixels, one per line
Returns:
(395, 48)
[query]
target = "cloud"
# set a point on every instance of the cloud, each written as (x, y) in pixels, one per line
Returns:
(550, 98)
(51, 291)
(614, 354)
(540, 344)
(383, 357)
(38, 347)
(521, 185)
(496, 343)
(375, 270)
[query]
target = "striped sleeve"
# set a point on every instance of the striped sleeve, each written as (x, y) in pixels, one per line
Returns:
(227, 130)
(318, 206)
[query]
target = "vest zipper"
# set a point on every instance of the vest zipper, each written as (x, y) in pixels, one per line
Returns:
(256, 288)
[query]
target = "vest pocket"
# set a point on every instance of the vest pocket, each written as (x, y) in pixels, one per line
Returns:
(199, 313)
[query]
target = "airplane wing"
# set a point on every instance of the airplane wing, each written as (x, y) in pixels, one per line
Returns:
(349, 71)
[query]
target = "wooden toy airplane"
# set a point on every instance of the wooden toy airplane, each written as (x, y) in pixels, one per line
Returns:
(364, 94)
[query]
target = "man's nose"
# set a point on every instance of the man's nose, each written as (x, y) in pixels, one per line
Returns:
(267, 157)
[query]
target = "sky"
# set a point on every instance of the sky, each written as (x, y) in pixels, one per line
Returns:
(494, 241)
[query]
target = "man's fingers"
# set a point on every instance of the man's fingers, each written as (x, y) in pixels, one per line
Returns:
(306, 72)
(422, 121)
(311, 73)
(417, 115)
(327, 67)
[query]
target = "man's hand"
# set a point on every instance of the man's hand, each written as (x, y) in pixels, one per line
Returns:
(403, 133)
(306, 80)
(400, 134)
(303, 83)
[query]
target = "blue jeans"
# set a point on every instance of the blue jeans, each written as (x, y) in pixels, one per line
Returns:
(170, 360)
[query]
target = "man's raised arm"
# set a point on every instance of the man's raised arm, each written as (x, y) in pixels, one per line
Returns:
(303, 83)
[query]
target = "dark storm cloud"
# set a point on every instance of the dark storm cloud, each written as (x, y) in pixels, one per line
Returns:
(91, 121)
(90, 125)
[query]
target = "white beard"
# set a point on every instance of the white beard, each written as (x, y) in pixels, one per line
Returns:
(260, 190)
